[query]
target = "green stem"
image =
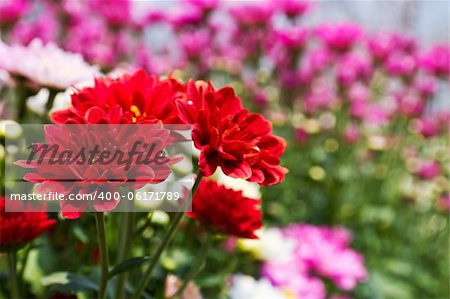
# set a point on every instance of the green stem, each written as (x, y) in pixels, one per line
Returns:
(49, 105)
(100, 222)
(14, 286)
(21, 96)
(167, 238)
(126, 229)
(197, 264)
(24, 263)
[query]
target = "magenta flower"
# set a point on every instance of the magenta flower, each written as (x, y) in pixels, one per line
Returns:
(195, 44)
(444, 202)
(437, 60)
(152, 17)
(301, 135)
(426, 86)
(91, 39)
(115, 12)
(409, 104)
(293, 37)
(76, 11)
(351, 68)
(340, 37)
(351, 134)
(251, 14)
(204, 5)
(293, 8)
(319, 252)
(187, 17)
(429, 170)
(12, 10)
(400, 64)
(358, 92)
(319, 59)
(44, 27)
(321, 97)
(375, 114)
(383, 44)
(428, 127)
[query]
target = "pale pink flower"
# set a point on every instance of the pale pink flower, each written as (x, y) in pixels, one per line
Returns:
(375, 114)
(173, 283)
(321, 97)
(358, 92)
(45, 64)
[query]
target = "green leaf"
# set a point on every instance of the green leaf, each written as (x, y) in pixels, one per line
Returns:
(68, 282)
(128, 265)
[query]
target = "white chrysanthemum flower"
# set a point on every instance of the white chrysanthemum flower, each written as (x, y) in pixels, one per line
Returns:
(249, 189)
(63, 100)
(45, 64)
(38, 102)
(270, 245)
(247, 287)
(274, 245)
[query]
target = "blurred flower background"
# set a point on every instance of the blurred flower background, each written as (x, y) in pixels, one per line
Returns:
(359, 90)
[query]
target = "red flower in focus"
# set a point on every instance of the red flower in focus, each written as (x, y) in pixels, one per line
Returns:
(18, 228)
(226, 210)
(241, 143)
(131, 98)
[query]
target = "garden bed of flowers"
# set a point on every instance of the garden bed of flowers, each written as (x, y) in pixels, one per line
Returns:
(318, 159)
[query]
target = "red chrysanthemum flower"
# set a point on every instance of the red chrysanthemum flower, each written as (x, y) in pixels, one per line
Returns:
(131, 98)
(241, 143)
(226, 210)
(72, 167)
(227, 135)
(18, 228)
